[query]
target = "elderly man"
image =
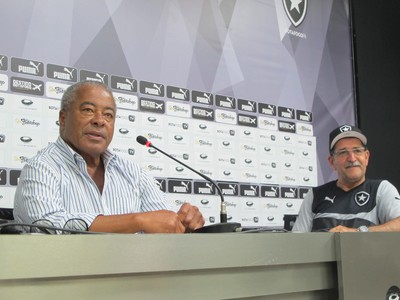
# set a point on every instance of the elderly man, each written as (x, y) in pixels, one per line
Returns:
(78, 178)
(351, 203)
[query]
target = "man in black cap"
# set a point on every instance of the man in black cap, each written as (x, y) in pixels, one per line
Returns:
(351, 203)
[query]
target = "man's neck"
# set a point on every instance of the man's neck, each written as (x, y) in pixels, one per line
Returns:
(347, 186)
(96, 172)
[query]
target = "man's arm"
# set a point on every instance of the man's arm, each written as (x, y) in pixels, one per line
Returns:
(38, 197)
(391, 226)
(187, 219)
(161, 221)
(304, 220)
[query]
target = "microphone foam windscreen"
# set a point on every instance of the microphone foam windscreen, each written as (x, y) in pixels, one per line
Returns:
(141, 140)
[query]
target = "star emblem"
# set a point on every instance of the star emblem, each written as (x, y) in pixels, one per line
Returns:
(295, 4)
(345, 128)
(295, 10)
(361, 198)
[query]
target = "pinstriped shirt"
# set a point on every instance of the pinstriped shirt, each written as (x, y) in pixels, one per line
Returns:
(55, 185)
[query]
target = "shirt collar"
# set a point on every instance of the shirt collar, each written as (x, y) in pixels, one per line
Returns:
(107, 156)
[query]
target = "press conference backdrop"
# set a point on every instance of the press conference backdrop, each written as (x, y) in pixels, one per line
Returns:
(246, 92)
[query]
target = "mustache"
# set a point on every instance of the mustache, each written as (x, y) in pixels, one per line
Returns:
(353, 164)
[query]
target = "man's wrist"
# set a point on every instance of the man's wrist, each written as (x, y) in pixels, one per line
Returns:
(363, 228)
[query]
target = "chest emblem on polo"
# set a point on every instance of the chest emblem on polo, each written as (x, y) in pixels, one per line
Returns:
(361, 198)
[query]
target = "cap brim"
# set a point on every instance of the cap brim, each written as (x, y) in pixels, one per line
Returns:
(349, 134)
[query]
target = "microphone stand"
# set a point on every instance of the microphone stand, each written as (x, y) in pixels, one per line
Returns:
(223, 226)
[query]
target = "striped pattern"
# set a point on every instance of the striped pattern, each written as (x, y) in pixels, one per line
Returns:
(56, 186)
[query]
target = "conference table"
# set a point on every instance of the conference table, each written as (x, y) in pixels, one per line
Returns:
(265, 265)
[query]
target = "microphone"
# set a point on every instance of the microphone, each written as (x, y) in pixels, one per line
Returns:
(223, 226)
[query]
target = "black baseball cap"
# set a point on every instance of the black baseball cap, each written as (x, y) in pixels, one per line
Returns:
(346, 131)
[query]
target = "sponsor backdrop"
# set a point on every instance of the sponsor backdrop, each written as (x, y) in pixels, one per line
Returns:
(245, 92)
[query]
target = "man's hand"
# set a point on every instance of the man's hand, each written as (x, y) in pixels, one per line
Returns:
(160, 221)
(187, 219)
(341, 228)
(191, 217)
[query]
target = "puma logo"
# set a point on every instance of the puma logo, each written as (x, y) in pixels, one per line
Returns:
(329, 199)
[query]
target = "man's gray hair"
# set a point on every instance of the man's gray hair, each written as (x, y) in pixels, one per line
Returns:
(69, 95)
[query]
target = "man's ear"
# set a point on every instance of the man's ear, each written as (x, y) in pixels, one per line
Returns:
(367, 155)
(61, 118)
(330, 160)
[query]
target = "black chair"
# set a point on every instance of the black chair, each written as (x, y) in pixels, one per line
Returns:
(289, 221)
(6, 214)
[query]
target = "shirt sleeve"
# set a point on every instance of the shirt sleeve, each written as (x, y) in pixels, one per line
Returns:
(304, 220)
(388, 202)
(152, 198)
(38, 198)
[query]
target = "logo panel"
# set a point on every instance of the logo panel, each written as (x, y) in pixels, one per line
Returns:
(152, 88)
(26, 66)
(62, 73)
(295, 10)
(93, 76)
(225, 102)
(202, 98)
(123, 84)
(27, 86)
(3, 82)
(152, 105)
(180, 186)
(3, 63)
(178, 93)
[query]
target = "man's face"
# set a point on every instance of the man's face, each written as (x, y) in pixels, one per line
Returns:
(88, 125)
(350, 160)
